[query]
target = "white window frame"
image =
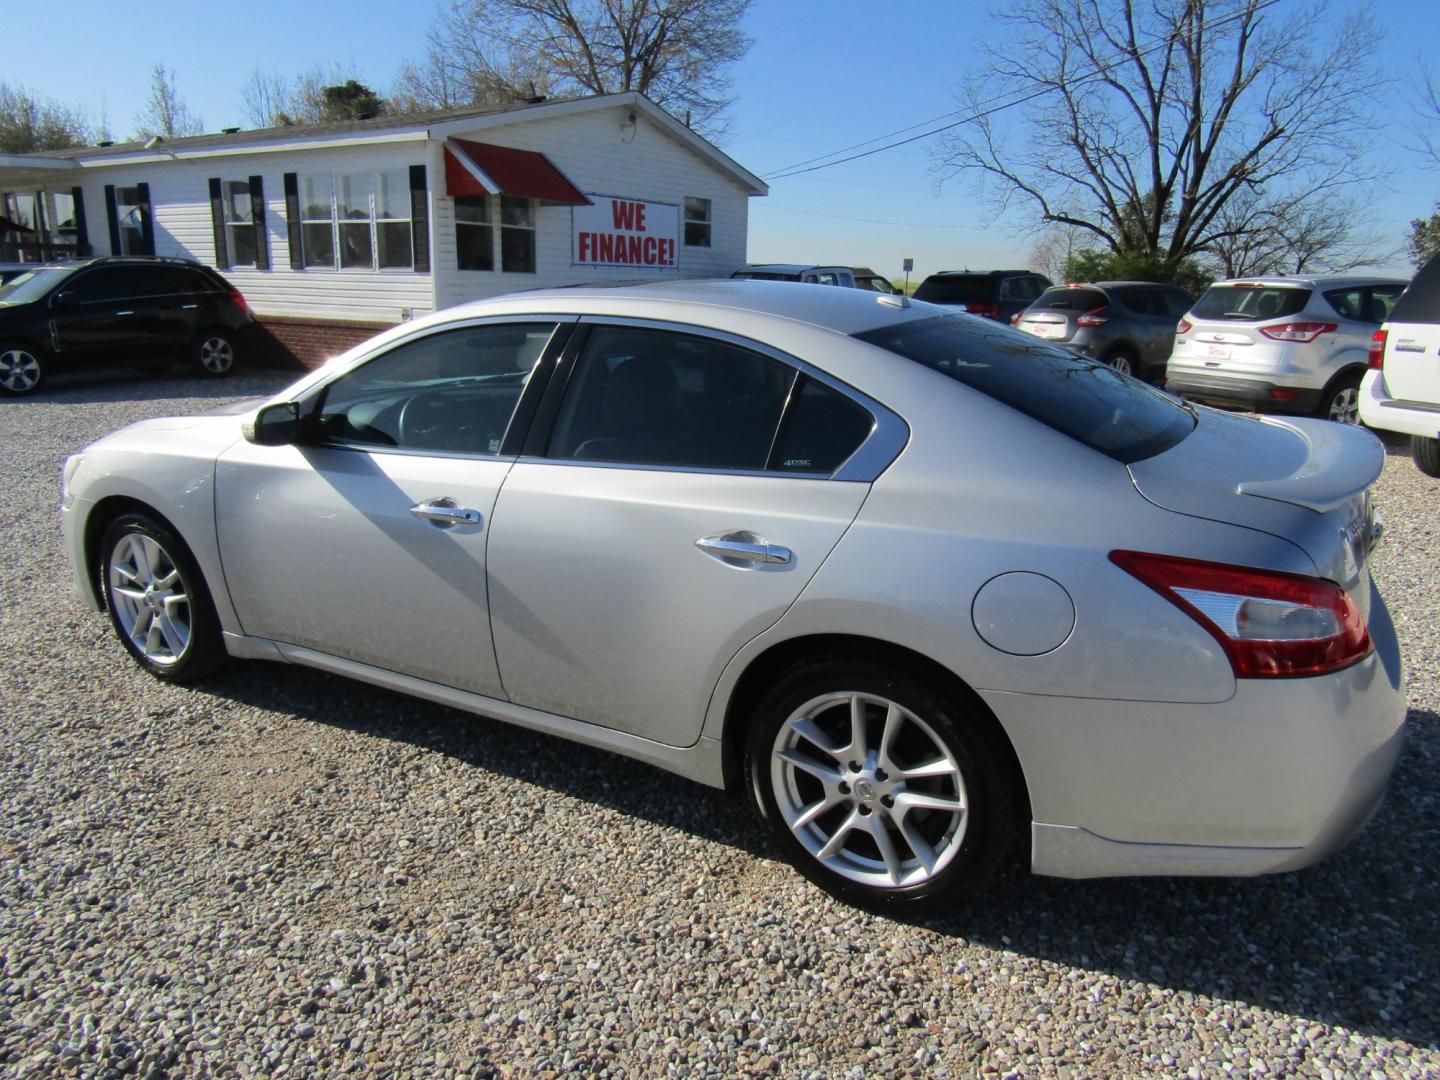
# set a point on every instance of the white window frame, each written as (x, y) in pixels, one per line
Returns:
(495, 222)
(708, 221)
(488, 202)
(226, 213)
(375, 222)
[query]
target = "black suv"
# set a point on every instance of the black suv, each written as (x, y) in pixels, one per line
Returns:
(136, 311)
(995, 294)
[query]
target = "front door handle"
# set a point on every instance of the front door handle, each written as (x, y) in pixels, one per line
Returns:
(446, 512)
(743, 547)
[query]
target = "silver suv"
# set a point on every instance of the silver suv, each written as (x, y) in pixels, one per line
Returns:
(1129, 325)
(1281, 344)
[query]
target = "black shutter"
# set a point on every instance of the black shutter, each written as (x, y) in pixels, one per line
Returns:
(82, 235)
(147, 218)
(217, 222)
(262, 231)
(114, 220)
(420, 219)
(292, 220)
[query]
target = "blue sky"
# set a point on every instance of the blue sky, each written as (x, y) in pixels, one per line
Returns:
(820, 76)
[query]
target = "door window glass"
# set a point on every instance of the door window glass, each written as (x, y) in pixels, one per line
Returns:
(1348, 303)
(1140, 301)
(451, 392)
(822, 427)
(104, 283)
(651, 397)
(1382, 301)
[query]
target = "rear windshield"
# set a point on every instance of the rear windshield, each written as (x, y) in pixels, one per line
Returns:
(1250, 303)
(1420, 303)
(957, 289)
(1070, 300)
(1092, 403)
(32, 285)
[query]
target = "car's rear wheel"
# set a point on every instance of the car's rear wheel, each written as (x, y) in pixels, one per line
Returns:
(878, 787)
(22, 369)
(1341, 402)
(157, 600)
(1426, 453)
(1124, 361)
(214, 353)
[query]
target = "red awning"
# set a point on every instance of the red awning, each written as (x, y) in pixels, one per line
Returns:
(473, 168)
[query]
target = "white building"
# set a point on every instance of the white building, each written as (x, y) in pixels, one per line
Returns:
(335, 232)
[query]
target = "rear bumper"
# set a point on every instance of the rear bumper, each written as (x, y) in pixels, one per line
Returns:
(1281, 775)
(1257, 395)
(1379, 410)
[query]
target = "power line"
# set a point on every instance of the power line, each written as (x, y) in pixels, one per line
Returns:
(799, 168)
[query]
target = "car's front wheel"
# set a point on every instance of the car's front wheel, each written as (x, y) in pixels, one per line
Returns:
(215, 353)
(878, 786)
(157, 600)
(22, 368)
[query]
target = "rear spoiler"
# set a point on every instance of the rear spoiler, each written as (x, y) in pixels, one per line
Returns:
(1343, 460)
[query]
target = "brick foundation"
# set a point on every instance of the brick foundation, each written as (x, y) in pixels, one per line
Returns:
(286, 342)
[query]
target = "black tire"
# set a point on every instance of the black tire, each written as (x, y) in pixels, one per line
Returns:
(213, 353)
(966, 846)
(1341, 401)
(191, 616)
(1124, 360)
(1426, 453)
(22, 368)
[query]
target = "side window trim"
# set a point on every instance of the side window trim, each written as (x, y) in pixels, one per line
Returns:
(882, 446)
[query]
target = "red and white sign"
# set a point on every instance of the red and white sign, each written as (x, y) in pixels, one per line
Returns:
(625, 232)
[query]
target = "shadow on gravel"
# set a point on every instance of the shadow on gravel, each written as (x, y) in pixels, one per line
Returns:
(124, 384)
(1352, 942)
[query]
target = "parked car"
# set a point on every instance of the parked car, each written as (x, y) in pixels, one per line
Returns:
(995, 294)
(849, 277)
(1281, 344)
(1401, 391)
(130, 310)
(1129, 325)
(921, 585)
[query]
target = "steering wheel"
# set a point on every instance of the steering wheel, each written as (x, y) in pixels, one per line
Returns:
(434, 421)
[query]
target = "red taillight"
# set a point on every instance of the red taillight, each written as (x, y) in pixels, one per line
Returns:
(239, 301)
(1270, 624)
(1284, 395)
(1298, 331)
(1014, 318)
(1183, 327)
(990, 311)
(1377, 350)
(1093, 317)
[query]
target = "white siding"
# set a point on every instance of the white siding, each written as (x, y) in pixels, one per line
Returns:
(601, 158)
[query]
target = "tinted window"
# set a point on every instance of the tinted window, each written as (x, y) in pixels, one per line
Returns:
(822, 427)
(1178, 303)
(1067, 299)
(1250, 303)
(1348, 303)
(651, 397)
(32, 285)
(160, 280)
(1140, 301)
(1420, 303)
(1382, 301)
(957, 289)
(104, 283)
(452, 392)
(1090, 402)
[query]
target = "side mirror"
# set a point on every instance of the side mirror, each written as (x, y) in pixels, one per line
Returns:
(274, 425)
(63, 301)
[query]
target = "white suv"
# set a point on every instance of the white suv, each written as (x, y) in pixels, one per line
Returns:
(1401, 391)
(1281, 344)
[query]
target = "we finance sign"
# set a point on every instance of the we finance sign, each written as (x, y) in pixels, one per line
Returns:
(626, 232)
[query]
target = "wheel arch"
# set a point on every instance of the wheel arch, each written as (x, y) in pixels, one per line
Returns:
(1353, 369)
(98, 520)
(762, 671)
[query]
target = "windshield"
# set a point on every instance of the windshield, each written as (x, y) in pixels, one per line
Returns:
(1250, 303)
(33, 284)
(1116, 414)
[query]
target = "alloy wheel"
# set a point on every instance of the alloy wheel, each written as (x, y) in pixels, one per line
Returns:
(150, 598)
(869, 789)
(1121, 363)
(19, 370)
(1345, 406)
(217, 355)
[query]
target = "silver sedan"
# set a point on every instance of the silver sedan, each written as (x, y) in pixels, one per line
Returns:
(925, 588)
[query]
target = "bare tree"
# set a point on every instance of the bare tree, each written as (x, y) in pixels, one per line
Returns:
(269, 99)
(676, 52)
(165, 113)
(265, 98)
(1427, 117)
(1171, 129)
(29, 124)
(1054, 247)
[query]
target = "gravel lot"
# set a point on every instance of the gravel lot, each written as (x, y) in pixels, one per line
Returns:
(284, 873)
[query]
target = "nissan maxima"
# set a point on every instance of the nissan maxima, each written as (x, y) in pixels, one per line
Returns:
(925, 588)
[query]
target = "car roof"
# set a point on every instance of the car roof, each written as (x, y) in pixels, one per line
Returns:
(983, 273)
(844, 311)
(1322, 281)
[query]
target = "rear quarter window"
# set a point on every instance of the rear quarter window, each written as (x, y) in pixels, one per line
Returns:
(1251, 303)
(1093, 404)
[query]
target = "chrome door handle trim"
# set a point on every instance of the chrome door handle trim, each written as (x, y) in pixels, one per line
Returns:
(446, 512)
(119, 313)
(188, 307)
(727, 547)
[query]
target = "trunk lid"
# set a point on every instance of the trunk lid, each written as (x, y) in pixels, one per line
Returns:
(1306, 481)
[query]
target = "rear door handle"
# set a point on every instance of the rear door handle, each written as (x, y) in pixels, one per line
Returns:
(446, 512)
(743, 547)
(118, 313)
